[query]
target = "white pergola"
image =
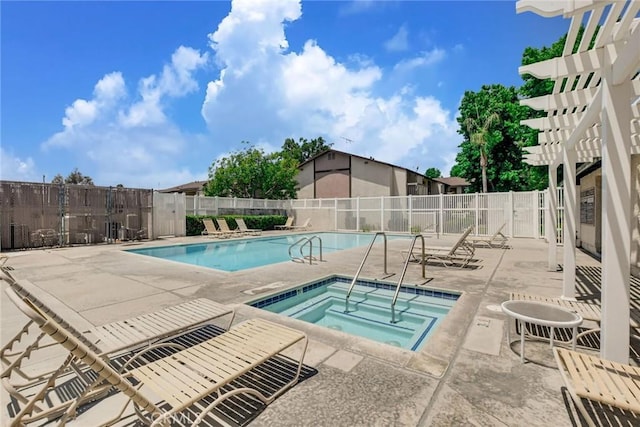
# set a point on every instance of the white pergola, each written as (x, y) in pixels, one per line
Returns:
(593, 112)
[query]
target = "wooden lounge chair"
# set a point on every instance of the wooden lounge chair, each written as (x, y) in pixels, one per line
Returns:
(243, 227)
(458, 255)
(287, 225)
(598, 380)
(109, 341)
(211, 230)
(196, 379)
(496, 240)
(224, 227)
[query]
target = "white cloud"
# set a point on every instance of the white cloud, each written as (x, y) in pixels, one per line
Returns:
(13, 168)
(425, 59)
(119, 140)
(266, 93)
(399, 42)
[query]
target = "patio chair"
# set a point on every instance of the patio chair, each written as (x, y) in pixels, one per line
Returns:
(458, 255)
(109, 341)
(224, 227)
(598, 380)
(496, 240)
(306, 225)
(210, 229)
(243, 227)
(191, 382)
(287, 225)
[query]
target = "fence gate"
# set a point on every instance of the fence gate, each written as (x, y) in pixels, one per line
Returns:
(169, 212)
(525, 214)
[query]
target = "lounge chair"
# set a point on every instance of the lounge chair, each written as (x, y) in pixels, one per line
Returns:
(224, 227)
(306, 225)
(196, 379)
(108, 341)
(496, 240)
(287, 225)
(243, 227)
(598, 380)
(210, 229)
(458, 255)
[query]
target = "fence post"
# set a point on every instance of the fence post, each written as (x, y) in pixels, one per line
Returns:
(441, 213)
(512, 216)
(478, 215)
(410, 219)
(381, 213)
(358, 213)
(536, 213)
(335, 213)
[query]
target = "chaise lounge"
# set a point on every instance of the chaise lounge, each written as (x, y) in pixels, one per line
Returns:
(196, 379)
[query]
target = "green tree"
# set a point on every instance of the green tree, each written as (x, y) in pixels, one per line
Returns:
(75, 177)
(303, 150)
(251, 173)
(503, 139)
(479, 134)
(433, 173)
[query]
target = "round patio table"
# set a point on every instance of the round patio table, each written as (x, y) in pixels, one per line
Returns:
(542, 314)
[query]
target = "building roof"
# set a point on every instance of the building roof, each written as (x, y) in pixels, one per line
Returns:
(371, 159)
(191, 186)
(453, 181)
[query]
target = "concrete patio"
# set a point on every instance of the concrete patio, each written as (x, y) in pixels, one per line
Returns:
(466, 374)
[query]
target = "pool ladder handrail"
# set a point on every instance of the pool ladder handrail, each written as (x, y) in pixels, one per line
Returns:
(366, 254)
(309, 241)
(404, 271)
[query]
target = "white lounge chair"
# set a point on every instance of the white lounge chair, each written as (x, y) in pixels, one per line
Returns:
(224, 227)
(211, 230)
(242, 226)
(458, 255)
(139, 334)
(306, 225)
(608, 383)
(196, 379)
(496, 240)
(287, 225)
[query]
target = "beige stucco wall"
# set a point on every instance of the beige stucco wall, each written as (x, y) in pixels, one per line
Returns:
(305, 181)
(590, 233)
(332, 184)
(369, 178)
(399, 184)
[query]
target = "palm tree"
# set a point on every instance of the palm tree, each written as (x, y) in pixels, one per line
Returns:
(479, 135)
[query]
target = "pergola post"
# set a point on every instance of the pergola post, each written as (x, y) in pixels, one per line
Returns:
(616, 219)
(551, 218)
(570, 215)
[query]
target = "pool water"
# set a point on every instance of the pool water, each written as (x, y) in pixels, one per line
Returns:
(241, 254)
(419, 311)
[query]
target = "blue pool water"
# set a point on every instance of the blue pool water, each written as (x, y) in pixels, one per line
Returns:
(419, 311)
(241, 254)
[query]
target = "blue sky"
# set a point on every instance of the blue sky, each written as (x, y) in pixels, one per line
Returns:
(150, 94)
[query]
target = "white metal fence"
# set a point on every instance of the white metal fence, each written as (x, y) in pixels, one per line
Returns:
(522, 212)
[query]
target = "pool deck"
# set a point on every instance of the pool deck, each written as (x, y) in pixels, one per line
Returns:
(466, 374)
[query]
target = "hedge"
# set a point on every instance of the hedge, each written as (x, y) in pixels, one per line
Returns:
(261, 222)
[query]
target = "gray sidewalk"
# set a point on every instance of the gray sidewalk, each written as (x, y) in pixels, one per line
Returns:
(466, 374)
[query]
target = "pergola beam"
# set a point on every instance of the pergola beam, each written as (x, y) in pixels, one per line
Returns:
(628, 60)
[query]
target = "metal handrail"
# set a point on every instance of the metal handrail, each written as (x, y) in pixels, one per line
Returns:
(355, 278)
(404, 270)
(306, 240)
(310, 242)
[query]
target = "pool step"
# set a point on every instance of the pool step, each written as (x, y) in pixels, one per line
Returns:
(383, 297)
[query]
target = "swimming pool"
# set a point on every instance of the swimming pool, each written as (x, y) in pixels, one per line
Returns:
(241, 254)
(419, 311)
